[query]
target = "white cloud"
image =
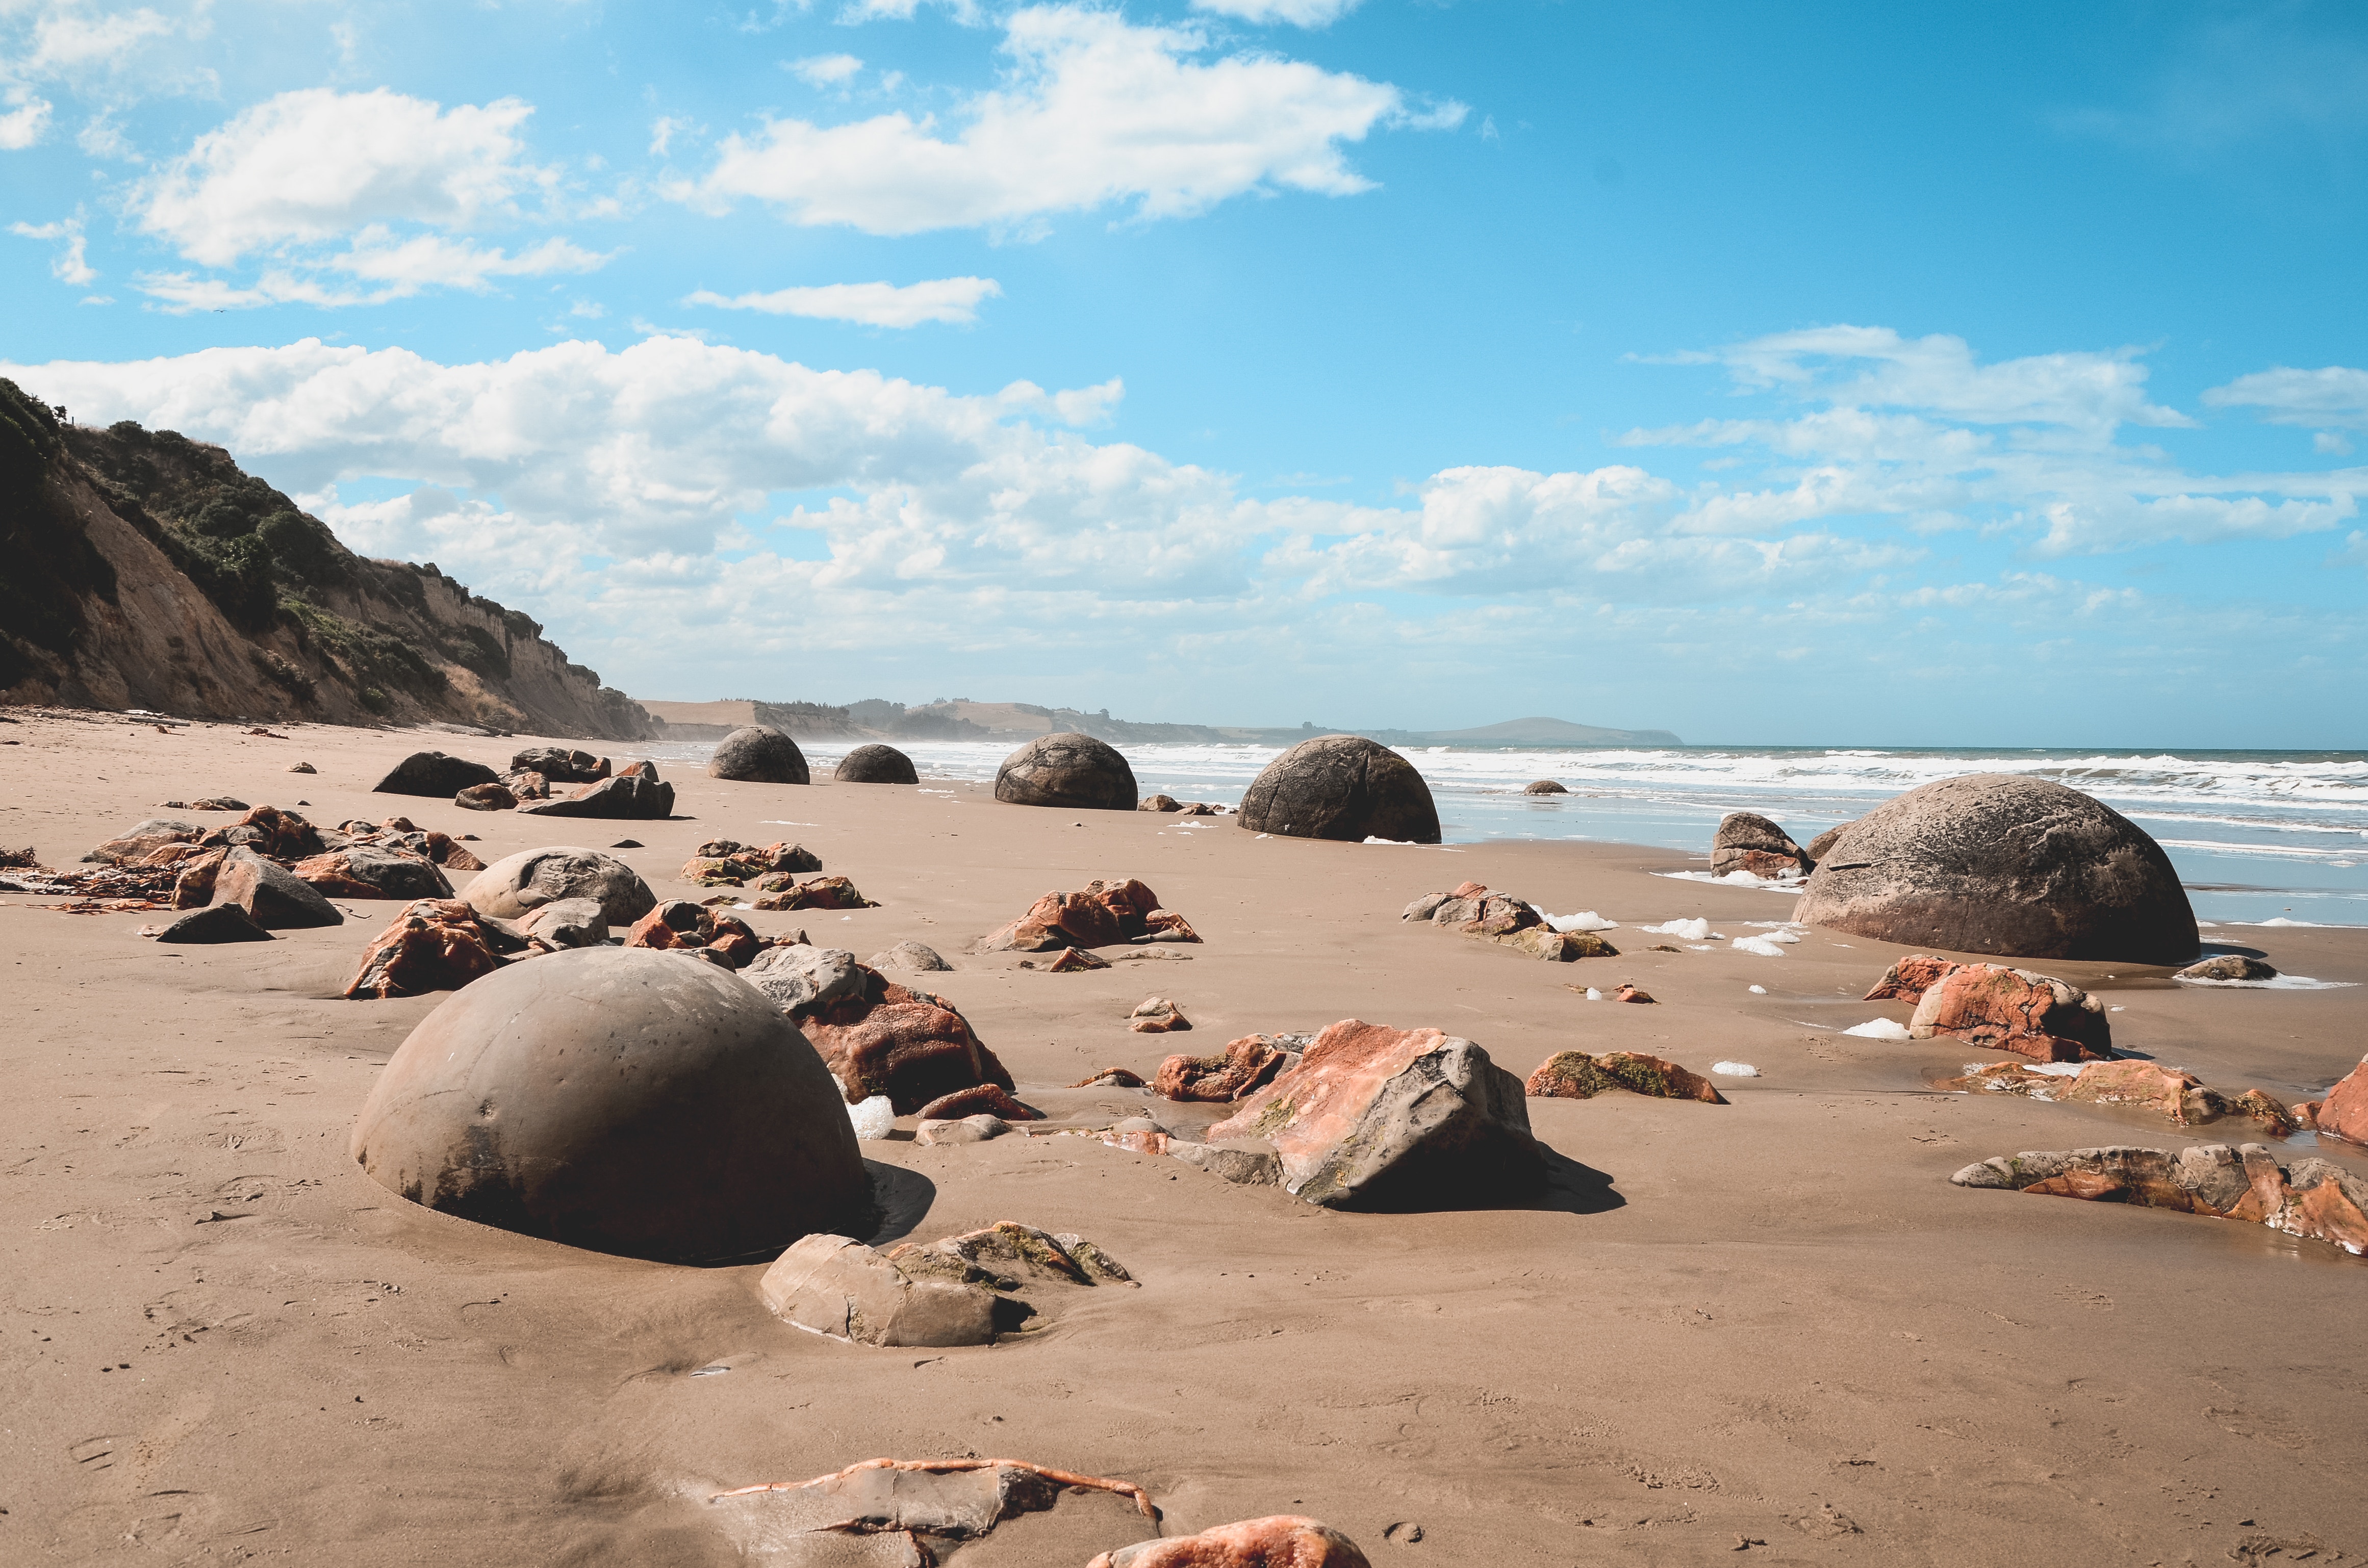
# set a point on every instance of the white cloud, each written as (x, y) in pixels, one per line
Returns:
(107, 57)
(662, 133)
(22, 126)
(2332, 398)
(1264, 13)
(72, 264)
(1094, 111)
(315, 164)
(824, 70)
(950, 299)
(70, 38)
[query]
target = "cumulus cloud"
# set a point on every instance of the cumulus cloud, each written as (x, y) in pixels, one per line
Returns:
(2334, 397)
(954, 301)
(72, 264)
(1298, 13)
(22, 126)
(1094, 111)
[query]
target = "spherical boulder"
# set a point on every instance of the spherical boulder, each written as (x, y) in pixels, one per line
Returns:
(1341, 787)
(759, 754)
(1545, 787)
(1075, 771)
(515, 887)
(1999, 863)
(619, 1099)
(875, 765)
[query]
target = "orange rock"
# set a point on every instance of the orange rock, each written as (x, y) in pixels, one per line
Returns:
(194, 887)
(434, 945)
(1073, 959)
(2344, 1111)
(2013, 1009)
(911, 1046)
(2142, 1084)
(1243, 1067)
(1283, 1540)
(1909, 978)
(1170, 926)
(1470, 889)
(1111, 1077)
(1628, 992)
(1575, 1075)
(991, 1099)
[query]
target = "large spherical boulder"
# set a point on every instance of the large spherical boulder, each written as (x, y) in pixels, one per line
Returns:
(1998, 863)
(759, 754)
(1342, 787)
(875, 765)
(1075, 771)
(515, 887)
(620, 1099)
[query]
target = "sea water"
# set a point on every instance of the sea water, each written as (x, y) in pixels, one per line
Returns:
(2256, 835)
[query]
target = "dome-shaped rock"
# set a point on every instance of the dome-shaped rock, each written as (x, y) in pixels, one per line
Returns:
(875, 765)
(1341, 787)
(512, 888)
(1999, 863)
(623, 1100)
(759, 754)
(1075, 771)
(433, 773)
(1545, 787)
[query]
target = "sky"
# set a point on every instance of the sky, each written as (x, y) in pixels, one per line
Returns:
(1840, 375)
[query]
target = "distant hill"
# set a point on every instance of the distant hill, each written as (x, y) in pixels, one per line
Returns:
(142, 569)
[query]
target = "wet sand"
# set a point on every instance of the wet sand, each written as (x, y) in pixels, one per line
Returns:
(1772, 1323)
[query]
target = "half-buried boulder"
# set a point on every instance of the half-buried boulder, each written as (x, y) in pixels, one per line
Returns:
(1998, 863)
(1575, 1075)
(620, 1100)
(1745, 841)
(561, 765)
(2314, 1198)
(1075, 772)
(1341, 787)
(269, 893)
(759, 754)
(1544, 787)
(1280, 1540)
(1999, 1009)
(433, 773)
(875, 765)
(515, 886)
(434, 945)
(1392, 1118)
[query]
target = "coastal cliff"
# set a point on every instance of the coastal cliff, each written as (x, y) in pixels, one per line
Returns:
(148, 571)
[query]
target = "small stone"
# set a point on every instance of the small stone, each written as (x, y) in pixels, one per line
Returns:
(1158, 803)
(975, 1129)
(1245, 1066)
(302, 767)
(1283, 1540)
(989, 1100)
(1157, 1015)
(911, 956)
(1746, 841)
(1111, 1078)
(1073, 958)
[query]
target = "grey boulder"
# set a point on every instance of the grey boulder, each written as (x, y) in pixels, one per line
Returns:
(271, 895)
(433, 773)
(911, 956)
(634, 794)
(2003, 864)
(1745, 841)
(800, 977)
(836, 1286)
(759, 754)
(1076, 772)
(1343, 787)
(875, 765)
(2227, 966)
(220, 923)
(567, 923)
(517, 885)
(619, 1099)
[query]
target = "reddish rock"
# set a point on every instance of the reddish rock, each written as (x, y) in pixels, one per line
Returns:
(435, 945)
(979, 1100)
(1283, 1540)
(1376, 1115)
(2344, 1111)
(1243, 1067)
(1575, 1075)
(1470, 889)
(1909, 978)
(269, 892)
(452, 856)
(2013, 1009)
(1157, 1015)
(2314, 1199)
(908, 1045)
(1158, 803)
(271, 833)
(821, 893)
(525, 786)
(144, 839)
(675, 923)
(1107, 912)
(1072, 960)
(2267, 1110)
(363, 870)
(1170, 926)
(2177, 1095)
(495, 797)
(1630, 994)
(193, 887)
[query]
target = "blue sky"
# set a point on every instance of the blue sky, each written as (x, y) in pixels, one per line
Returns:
(1848, 377)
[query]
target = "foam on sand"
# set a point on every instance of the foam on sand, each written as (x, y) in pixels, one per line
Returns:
(1759, 945)
(874, 1119)
(1735, 1069)
(1879, 1028)
(1686, 930)
(1584, 920)
(2277, 983)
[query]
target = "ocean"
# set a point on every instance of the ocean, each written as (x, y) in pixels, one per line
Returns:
(2256, 835)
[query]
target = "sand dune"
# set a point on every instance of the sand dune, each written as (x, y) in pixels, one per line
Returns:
(1773, 1323)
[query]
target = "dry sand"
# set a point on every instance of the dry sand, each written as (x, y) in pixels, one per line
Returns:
(1771, 1323)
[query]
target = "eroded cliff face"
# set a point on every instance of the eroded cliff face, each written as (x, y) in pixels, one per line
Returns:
(140, 568)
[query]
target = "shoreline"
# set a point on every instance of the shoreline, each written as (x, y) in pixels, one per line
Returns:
(1772, 1320)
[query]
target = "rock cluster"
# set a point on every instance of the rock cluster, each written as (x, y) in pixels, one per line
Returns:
(727, 862)
(2314, 1198)
(637, 792)
(759, 754)
(1107, 914)
(434, 945)
(961, 1290)
(604, 1099)
(1575, 1075)
(680, 926)
(1244, 1067)
(1374, 1116)
(2181, 1096)
(1473, 911)
(875, 765)
(878, 1037)
(1999, 863)
(561, 765)
(1341, 788)
(819, 893)
(1999, 1009)
(1188, 808)
(1075, 772)
(1745, 841)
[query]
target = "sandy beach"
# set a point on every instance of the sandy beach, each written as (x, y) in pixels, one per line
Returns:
(1767, 1330)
